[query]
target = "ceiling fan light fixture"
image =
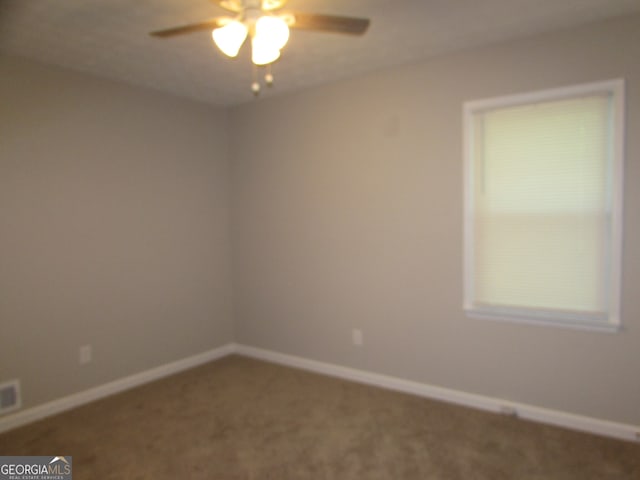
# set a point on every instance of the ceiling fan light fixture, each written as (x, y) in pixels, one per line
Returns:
(230, 37)
(272, 30)
(262, 53)
(268, 30)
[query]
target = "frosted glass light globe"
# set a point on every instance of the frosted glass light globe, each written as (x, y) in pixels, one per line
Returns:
(230, 37)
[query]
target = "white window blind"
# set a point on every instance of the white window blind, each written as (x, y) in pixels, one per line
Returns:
(542, 209)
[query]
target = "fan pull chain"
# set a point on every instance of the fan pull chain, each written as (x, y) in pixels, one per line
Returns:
(255, 85)
(268, 77)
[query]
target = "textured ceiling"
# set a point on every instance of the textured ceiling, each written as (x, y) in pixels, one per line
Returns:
(109, 38)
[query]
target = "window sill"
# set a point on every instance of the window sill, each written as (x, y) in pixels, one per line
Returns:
(513, 317)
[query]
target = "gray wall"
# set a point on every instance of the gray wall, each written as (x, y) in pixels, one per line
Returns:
(113, 229)
(347, 212)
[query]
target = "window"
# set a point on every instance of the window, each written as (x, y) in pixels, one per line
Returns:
(543, 204)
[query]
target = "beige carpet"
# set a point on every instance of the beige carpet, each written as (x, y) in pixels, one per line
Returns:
(238, 418)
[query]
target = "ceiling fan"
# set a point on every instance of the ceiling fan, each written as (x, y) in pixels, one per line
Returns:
(267, 26)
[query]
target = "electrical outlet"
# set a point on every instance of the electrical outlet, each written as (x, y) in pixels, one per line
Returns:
(85, 354)
(357, 337)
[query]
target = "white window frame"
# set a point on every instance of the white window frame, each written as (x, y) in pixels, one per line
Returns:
(612, 323)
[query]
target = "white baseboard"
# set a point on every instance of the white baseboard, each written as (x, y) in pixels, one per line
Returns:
(77, 399)
(522, 410)
(525, 411)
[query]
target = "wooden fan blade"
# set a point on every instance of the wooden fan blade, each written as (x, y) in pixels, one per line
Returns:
(330, 23)
(194, 27)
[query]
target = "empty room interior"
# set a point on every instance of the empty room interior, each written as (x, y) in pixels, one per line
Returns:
(402, 245)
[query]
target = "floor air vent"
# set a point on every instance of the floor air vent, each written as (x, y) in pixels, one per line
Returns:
(9, 396)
